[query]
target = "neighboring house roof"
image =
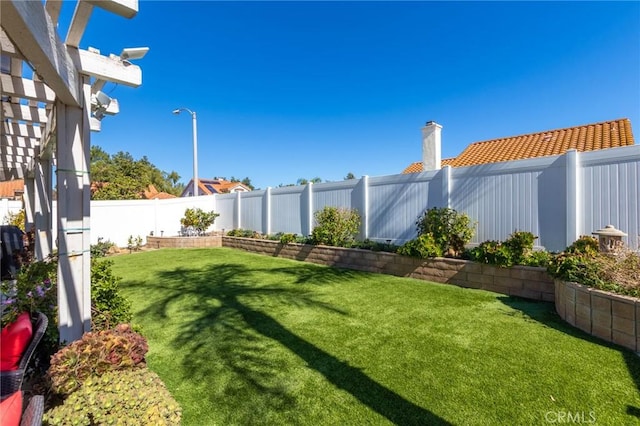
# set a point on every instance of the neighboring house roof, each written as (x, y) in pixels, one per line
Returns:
(588, 137)
(151, 193)
(215, 186)
(12, 189)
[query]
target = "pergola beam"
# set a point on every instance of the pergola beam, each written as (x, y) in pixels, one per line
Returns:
(53, 8)
(126, 8)
(27, 89)
(24, 113)
(34, 34)
(21, 129)
(18, 142)
(6, 46)
(16, 152)
(106, 68)
(78, 23)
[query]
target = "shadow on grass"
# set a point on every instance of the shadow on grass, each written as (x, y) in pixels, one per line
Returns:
(544, 313)
(230, 332)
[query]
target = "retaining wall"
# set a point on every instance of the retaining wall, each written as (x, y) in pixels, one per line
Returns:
(612, 317)
(184, 242)
(529, 282)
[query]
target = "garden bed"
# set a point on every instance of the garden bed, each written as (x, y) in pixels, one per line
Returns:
(523, 281)
(612, 317)
(184, 242)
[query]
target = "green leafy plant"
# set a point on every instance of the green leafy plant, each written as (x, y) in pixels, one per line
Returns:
(198, 219)
(423, 247)
(586, 244)
(108, 306)
(16, 219)
(134, 243)
(335, 226)
(287, 238)
(33, 291)
(520, 246)
(450, 230)
(101, 248)
(491, 252)
(124, 397)
(515, 250)
(95, 354)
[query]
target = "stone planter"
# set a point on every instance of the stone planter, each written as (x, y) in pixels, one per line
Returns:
(612, 317)
(184, 242)
(523, 281)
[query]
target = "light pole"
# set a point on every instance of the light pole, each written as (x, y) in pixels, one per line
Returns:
(195, 147)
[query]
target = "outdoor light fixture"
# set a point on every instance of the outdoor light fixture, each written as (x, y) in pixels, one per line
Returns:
(195, 147)
(133, 53)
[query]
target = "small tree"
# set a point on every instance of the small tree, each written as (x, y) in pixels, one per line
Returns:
(336, 227)
(198, 219)
(450, 230)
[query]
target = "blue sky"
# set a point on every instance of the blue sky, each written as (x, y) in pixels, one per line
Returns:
(288, 90)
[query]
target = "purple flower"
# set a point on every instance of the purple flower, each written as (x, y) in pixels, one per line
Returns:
(40, 291)
(30, 294)
(47, 283)
(8, 301)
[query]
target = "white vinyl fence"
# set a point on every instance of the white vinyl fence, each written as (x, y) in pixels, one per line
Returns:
(557, 198)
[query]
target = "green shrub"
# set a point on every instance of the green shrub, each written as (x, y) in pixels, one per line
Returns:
(16, 219)
(95, 354)
(492, 253)
(287, 238)
(128, 397)
(450, 230)
(101, 248)
(198, 219)
(134, 244)
(539, 258)
(515, 250)
(108, 306)
(336, 226)
(423, 247)
(375, 246)
(520, 246)
(244, 233)
(584, 245)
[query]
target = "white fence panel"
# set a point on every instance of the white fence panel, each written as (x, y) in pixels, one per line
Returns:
(288, 211)
(396, 202)
(501, 198)
(554, 197)
(226, 206)
(611, 191)
(252, 211)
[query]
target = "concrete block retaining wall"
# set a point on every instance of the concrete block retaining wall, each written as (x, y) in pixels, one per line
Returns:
(612, 317)
(523, 281)
(184, 242)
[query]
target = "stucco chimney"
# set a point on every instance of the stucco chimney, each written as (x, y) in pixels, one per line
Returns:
(431, 146)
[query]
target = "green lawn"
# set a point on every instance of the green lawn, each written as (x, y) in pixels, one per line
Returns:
(246, 339)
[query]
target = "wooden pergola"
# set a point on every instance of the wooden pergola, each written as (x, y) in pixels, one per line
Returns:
(51, 101)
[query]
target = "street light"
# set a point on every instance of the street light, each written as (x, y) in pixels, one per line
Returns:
(195, 147)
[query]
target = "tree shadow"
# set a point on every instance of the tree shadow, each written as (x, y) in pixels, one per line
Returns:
(230, 330)
(544, 313)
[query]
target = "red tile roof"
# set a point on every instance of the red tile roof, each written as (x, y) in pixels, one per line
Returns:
(216, 186)
(151, 193)
(588, 137)
(12, 189)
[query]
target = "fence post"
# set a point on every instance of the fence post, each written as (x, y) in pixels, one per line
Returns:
(446, 186)
(573, 218)
(309, 218)
(238, 211)
(365, 207)
(266, 211)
